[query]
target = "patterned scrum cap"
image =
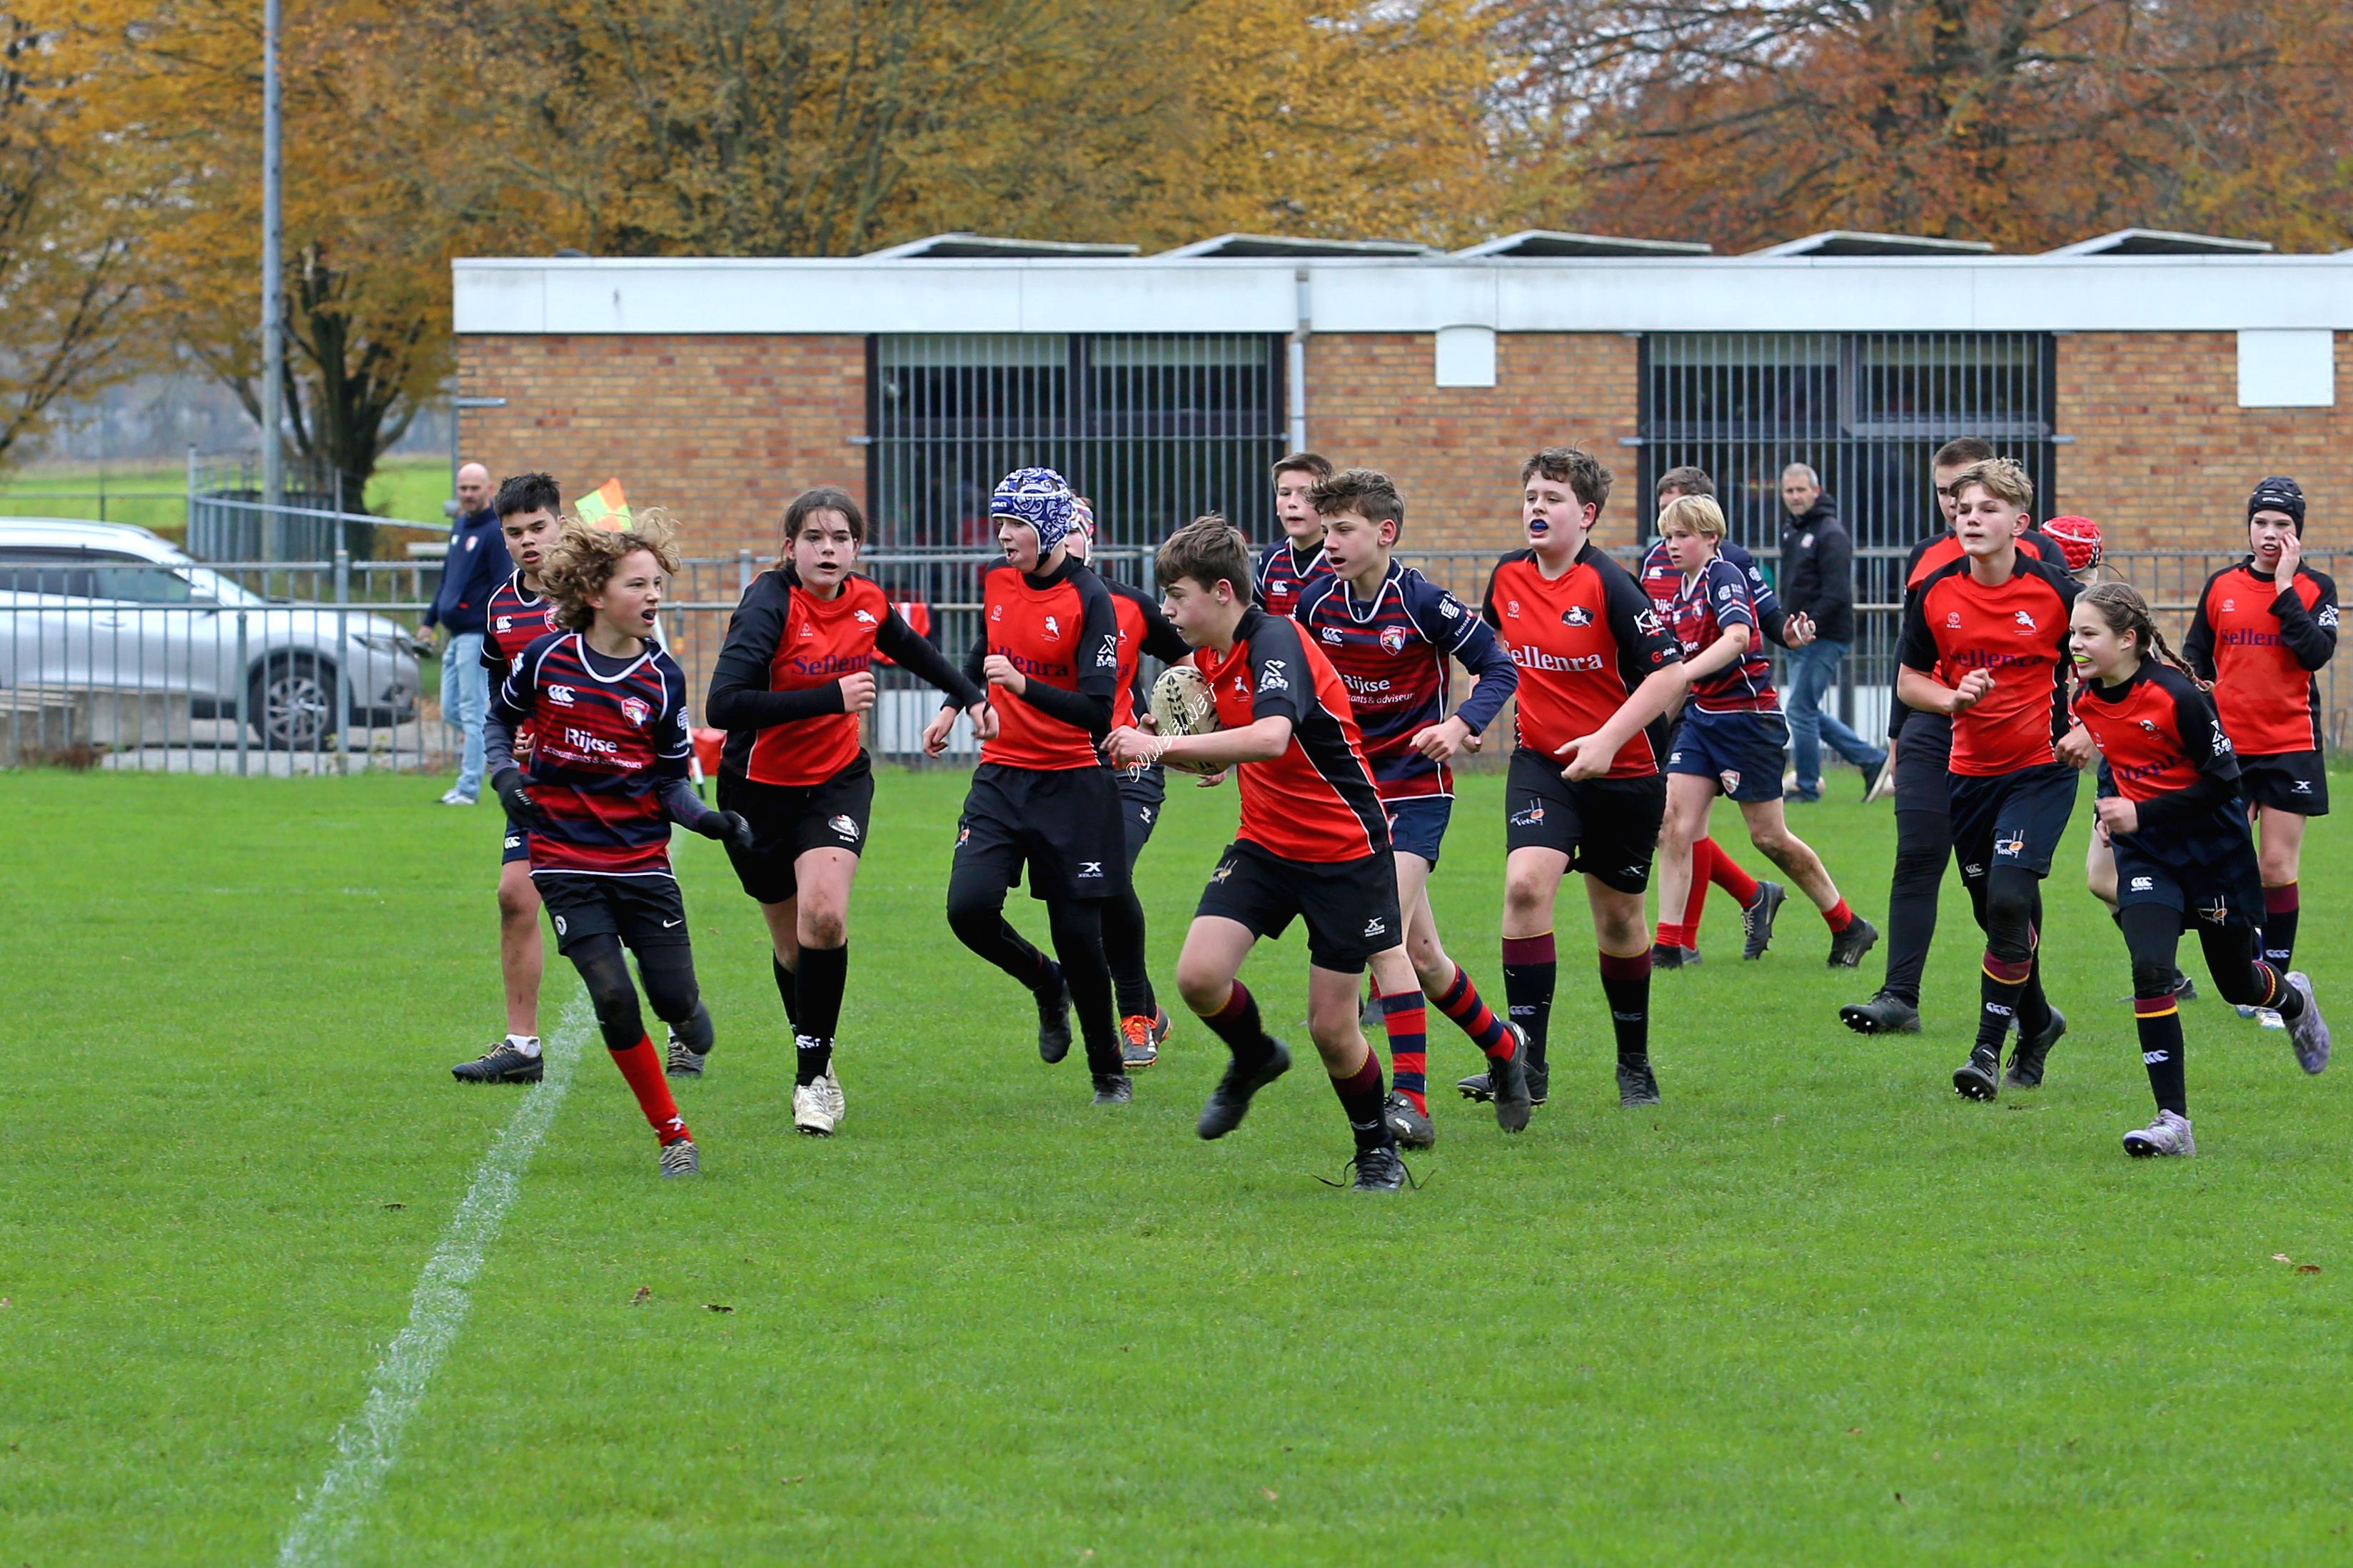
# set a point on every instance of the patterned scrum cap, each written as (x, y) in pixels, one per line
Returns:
(2078, 538)
(1039, 497)
(2279, 493)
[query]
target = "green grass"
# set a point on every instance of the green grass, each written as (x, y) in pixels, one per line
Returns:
(154, 494)
(1813, 1309)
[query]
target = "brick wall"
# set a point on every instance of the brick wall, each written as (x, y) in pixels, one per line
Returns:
(722, 430)
(1454, 451)
(2163, 456)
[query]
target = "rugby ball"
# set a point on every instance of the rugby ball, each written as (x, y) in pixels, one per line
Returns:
(1183, 704)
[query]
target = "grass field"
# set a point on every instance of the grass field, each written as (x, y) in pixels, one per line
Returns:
(154, 494)
(1814, 1309)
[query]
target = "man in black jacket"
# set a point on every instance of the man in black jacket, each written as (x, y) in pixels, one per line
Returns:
(1817, 581)
(477, 563)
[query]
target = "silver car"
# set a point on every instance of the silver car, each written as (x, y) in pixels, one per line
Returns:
(93, 608)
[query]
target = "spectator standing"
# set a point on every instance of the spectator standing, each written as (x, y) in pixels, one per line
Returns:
(477, 563)
(1818, 582)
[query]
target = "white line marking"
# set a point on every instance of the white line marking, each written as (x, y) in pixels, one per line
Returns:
(367, 1445)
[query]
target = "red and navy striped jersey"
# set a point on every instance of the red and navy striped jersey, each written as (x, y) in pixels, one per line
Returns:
(1705, 607)
(1662, 580)
(2259, 644)
(2018, 634)
(1391, 655)
(514, 620)
(608, 733)
(1142, 629)
(1283, 578)
(1316, 801)
(1061, 631)
(2168, 754)
(1583, 641)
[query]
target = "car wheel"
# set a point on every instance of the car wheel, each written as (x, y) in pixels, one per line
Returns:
(291, 702)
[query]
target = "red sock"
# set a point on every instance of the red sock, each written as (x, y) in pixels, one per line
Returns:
(642, 1065)
(1725, 873)
(1673, 935)
(1704, 855)
(1839, 916)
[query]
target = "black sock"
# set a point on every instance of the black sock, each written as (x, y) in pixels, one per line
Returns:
(823, 973)
(1238, 1023)
(2159, 1021)
(1531, 968)
(1122, 941)
(2002, 985)
(1360, 1097)
(2033, 1006)
(2281, 912)
(1625, 981)
(787, 987)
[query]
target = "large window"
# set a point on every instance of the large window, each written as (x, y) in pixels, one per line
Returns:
(1153, 428)
(1864, 409)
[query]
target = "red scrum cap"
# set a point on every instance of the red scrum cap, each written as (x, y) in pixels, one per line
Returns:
(2078, 538)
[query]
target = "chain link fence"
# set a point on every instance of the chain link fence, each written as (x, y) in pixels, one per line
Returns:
(276, 668)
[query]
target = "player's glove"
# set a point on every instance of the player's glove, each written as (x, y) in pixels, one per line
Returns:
(507, 785)
(729, 827)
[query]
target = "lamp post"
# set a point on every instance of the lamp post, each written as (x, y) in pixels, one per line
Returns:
(273, 347)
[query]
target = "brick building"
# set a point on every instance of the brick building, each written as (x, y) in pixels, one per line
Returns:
(2147, 379)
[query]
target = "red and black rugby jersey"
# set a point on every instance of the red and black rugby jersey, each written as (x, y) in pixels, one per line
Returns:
(775, 687)
(1142, 629)
(2018, 634)
(2259, 644)
(1316, 801)
(1062, 634)
(2165, 750)
(1284, 576)
(605, 740)
(1391, 655)
(1583, 641)
(1710, 604)
(1938, 551)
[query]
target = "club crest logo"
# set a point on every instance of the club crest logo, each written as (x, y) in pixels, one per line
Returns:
(962, 833)
(2025, 622)
(844, 824)
(1224, 869)
(2214, 912)
(1731, 778)
(864, 617)
(1053, 628)
(635, 710)
(1576, 616)
(1392, 639)
(1532, 817)
(2008, 848)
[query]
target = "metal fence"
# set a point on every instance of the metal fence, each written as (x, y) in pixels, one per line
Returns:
(1153, 428)
(279, 668)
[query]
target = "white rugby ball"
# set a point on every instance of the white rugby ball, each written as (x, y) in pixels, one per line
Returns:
(1183, 704)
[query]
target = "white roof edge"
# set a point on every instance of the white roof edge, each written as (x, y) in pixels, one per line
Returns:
(2209, 243)
(1012, 249)
(854, 295)
(1308, 248)
(1924, 245)
(1504, 245)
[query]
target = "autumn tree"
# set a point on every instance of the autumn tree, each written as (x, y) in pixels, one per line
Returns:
(2025, 122)
(67, 233)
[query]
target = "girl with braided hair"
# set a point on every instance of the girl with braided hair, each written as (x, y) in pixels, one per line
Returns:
(606, 778)
(2183, 853)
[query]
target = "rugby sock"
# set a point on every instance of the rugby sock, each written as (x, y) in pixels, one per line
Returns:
(2000, 990)
(787, 987)
(2277, 993)
(1238, 1023)
(1839, 916)
(1407, 1023)
(1725, 873)
(642, 1065)
(1360, 1095)
(1530, 968)
(824, 974)
(1703, 857)
(1462, 1003)
(1673, 935)
(1625, 981)
(526, 1044)
(2158, 1018)
(2280, 908)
